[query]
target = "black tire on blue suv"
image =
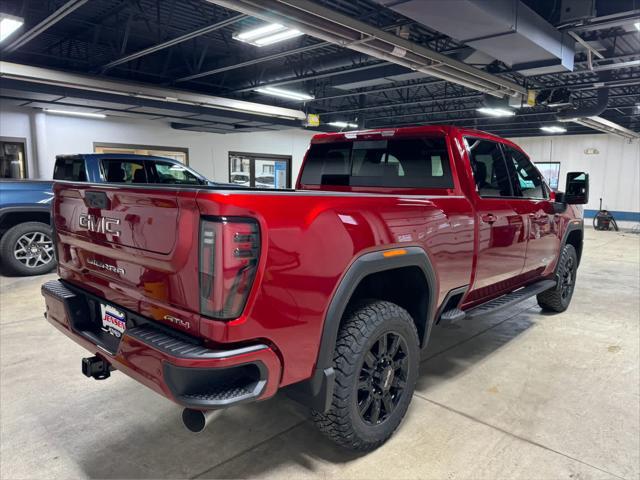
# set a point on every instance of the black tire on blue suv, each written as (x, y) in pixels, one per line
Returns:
(27, 249)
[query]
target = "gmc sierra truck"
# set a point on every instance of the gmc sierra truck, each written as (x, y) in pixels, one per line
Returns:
(216, 296)
(26, 247)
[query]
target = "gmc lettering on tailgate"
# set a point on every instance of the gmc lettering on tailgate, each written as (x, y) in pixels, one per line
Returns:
(99, 224)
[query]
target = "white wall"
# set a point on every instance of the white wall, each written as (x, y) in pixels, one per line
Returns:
(208, 152)
(614, 172)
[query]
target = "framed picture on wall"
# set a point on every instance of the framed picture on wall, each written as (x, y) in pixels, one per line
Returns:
(551, 172)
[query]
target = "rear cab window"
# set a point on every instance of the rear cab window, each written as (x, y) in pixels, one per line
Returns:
(70, 168)
(414, 162)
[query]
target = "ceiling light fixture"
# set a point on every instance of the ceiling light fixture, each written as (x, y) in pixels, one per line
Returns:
(553, 129)
(607, 126)
(8, 25)
(267, 35)
(280, 92)
(637, 25)
(343, 124)
(496, 112)
(75, 114)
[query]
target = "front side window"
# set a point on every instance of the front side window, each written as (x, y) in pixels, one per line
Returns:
(403, 162)
(489, 168)
(527, 180)
(174, 173)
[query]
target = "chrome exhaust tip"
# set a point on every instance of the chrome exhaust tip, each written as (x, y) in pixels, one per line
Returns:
(197, 420)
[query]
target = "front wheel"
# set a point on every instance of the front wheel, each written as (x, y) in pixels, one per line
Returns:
(27, 249)
(558, 298)
(376, 364)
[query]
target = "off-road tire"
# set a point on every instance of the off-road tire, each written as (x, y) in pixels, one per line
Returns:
(8, 243)
(362, 329)
(557, 299)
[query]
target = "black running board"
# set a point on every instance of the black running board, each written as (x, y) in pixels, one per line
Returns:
(497, 304)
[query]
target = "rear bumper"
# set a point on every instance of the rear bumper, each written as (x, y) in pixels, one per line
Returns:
(176, 366)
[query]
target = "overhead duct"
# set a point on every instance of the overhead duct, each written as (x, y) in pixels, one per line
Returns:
(506, 30)
(587, 111)
(328, 25)
(589, 116)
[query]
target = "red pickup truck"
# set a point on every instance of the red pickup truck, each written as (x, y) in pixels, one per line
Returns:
(215, 296)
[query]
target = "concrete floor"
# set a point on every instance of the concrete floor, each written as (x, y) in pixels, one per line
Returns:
(518, 395)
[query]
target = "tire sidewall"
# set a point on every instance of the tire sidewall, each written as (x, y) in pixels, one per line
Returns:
(568, 251)
(370, 433)
(12, 265)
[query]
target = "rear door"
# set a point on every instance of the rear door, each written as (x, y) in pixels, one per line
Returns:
(501, 231)
(532, 201)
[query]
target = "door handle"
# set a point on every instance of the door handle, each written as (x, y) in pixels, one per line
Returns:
(488, 218)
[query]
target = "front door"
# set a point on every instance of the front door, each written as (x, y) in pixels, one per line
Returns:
(501, 229)
(533, 203)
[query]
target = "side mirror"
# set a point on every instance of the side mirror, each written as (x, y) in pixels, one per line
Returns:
(577, 189)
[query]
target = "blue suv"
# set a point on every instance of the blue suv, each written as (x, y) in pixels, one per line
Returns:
(26, 246)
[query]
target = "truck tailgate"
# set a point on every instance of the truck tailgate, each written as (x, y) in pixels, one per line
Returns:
(132, 246)
(144, 220)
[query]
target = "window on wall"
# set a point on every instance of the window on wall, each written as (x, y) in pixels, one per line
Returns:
(176, 153)
(13, 160)
(260, 171)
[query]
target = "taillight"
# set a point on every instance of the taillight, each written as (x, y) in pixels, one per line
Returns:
(229, 253)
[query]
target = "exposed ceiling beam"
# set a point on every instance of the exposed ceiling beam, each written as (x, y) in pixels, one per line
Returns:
(378, 90)
(172, 42)
(333, 73)
(274, 56)
(404, 104)
(254, 61)
(52, 19)
(334, 27)
(605, 22)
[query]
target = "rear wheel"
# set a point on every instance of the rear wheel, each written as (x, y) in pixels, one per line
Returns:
(376, 364)
(558, 298)
(27, 249)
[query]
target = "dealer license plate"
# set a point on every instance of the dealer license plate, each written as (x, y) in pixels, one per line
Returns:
(113, 320)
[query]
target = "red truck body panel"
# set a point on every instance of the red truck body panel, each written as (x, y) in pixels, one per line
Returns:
(308, 240)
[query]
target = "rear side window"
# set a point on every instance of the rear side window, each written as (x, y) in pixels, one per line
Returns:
(124, 171)
(404, 162)
(72, 169)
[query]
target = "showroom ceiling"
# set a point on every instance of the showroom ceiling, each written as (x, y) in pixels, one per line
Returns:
(374, 63)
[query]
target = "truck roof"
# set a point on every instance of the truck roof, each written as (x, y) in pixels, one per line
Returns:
(407, 131)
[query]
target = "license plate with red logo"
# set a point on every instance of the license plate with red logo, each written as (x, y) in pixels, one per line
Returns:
(113, 320)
